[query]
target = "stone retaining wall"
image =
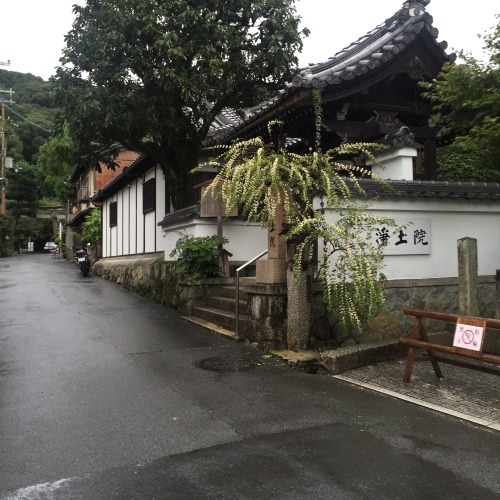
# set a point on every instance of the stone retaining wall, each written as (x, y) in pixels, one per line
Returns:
(153, 278)
(439, 294)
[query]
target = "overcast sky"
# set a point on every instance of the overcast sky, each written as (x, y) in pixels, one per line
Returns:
(32, 31)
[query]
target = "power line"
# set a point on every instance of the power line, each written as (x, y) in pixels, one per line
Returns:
(27, 120)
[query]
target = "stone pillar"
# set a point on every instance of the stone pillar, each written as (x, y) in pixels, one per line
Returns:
(467, 277)
(273, 270)
(299, 309)
(395, 164)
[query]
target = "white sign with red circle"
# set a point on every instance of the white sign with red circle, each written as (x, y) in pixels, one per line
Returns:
(468, 337)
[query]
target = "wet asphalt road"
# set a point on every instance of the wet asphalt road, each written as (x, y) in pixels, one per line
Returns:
(101, 397)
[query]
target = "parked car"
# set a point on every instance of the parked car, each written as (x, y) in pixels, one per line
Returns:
(49, 247)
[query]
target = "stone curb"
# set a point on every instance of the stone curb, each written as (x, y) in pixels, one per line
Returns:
(346, 358)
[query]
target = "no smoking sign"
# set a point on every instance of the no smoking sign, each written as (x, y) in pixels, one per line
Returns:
(468, 336)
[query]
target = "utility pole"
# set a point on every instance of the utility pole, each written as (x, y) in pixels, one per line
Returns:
(4, 149)
(4, 179)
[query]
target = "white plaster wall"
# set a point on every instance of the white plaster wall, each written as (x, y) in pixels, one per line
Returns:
(450, 220)
(122, 219)
(132, 211)
(135, 232)
(139, 222)
(105, 230)
(149, 241)
(245, 241)
(160, 208)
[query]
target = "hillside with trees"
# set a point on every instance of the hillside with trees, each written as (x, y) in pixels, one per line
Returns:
(29, 119)
(31, 182)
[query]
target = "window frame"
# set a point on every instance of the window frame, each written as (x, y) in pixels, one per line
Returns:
(149, 196)
(113, 214)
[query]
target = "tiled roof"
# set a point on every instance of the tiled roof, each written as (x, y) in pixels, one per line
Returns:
(80, 217)
(368, 53)
(130, 172)
(432, 189)
(374, 49)
(182, 215)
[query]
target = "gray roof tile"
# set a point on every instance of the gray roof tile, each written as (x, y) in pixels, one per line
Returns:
(366, 54)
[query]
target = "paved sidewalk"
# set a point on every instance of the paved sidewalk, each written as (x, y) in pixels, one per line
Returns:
(467, 394)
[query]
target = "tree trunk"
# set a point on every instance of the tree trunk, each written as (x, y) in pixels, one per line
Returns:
(177, 171)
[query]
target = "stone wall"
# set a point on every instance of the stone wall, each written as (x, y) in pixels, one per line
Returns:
(439, 294)
(153, 278)
(149, 276)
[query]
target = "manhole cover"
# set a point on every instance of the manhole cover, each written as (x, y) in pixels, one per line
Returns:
(227, 364)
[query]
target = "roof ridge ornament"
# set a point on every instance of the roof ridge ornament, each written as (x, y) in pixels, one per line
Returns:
(423, 3)
(415, 8)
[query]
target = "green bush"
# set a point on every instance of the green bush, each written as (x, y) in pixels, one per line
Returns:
(197, 257)
(91, 228)
(465, 161)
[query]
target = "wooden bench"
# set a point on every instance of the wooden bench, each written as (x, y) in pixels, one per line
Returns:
(466, 357)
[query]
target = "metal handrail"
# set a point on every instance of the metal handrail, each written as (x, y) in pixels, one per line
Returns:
(237, 283)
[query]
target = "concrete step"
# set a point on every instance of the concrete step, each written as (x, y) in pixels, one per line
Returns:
(211, 326)
(220, 317)
(227, 291)
(227, 304)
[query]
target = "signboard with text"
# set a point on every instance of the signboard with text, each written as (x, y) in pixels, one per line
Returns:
(413, 239)
(469, 336)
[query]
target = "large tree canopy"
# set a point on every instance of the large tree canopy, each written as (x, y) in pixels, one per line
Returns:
(153, 74)
(466, 100)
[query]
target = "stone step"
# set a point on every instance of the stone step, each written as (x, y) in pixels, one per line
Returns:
(211, 326)
(227, 291)
(220, 317)
(227, 304)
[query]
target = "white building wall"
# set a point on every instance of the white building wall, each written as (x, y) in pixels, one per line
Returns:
(135, 232)
(160, 208)
(444, 222)
(105, 229)
(132, 202)
(122, 218)
(449, 221)
(245, 240)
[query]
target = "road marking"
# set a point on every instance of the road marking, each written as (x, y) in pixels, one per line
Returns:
(37, 491)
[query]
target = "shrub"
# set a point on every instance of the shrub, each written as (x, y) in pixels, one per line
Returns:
(197, 257)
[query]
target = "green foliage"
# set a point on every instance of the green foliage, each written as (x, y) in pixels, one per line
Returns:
(152, 75)
(465, 161)
(29, 118)
(4, 231)
(22, 193)
(260, 178)
(197, 257)
(21, 199)
(56, 161)
(466, 98)
(91, 228)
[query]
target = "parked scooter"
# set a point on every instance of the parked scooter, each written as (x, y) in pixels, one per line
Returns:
(82, 260)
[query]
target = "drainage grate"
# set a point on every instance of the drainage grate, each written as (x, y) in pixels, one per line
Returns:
(227, 364)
